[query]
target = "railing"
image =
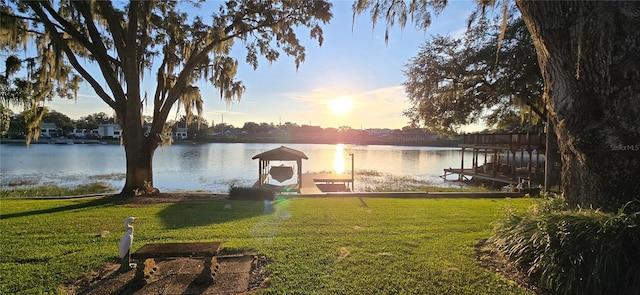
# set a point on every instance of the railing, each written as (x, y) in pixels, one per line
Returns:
(510, 140)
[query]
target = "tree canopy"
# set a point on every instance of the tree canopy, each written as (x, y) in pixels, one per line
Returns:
(455, 82)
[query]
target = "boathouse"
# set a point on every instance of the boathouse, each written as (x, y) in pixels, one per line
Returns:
(309, 183)
(280, 173)
(513, 158)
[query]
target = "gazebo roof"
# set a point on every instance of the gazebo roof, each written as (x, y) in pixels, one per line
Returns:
(282, 153)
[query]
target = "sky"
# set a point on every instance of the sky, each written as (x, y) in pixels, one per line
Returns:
(354, 79)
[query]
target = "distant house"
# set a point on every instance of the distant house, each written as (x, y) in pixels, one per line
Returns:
(78, 133)
(379, 132)
(275, 131)
(81, 133)
(109, 130)
(413, 135)
(85, 133)
(181, 133)
(48, 130)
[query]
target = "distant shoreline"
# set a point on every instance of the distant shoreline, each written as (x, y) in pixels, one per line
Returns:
(437, 143)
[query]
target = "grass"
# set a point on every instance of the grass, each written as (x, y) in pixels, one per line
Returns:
(57, 191)
(316, 246)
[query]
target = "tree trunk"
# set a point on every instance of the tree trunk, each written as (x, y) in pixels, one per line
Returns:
(139, 149)
(589, 55)
(139, 154)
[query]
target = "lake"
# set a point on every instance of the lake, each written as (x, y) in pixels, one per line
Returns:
(214, 167)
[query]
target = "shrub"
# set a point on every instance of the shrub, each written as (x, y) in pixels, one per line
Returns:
(251, 193)
(573, 251)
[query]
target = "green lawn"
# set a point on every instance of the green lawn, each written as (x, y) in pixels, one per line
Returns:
(316, 246)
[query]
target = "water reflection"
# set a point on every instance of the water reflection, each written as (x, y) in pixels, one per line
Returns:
(214, 167)
(338, 159)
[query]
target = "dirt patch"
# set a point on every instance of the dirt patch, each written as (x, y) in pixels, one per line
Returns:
(490, 259)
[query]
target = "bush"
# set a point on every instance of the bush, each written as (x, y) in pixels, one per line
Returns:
(251, 194)
(573, 251)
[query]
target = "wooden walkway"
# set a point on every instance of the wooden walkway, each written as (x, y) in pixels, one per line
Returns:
(315, 183)
(312, 182)
(466, 173)
(413, 195)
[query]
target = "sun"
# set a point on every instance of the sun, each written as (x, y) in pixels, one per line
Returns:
(341, 105)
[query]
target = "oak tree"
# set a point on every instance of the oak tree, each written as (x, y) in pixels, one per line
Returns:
(114, 46)
(589, 57)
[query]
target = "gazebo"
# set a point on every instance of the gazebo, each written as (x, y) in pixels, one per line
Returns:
(280, 173)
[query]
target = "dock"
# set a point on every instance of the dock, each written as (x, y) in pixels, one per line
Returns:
(466, 174)
(511, 159)
(318, 183)
(313, 183)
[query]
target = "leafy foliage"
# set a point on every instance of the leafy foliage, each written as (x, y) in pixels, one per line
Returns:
(18, 93)
(93, 120)
(419, 11)
(573, 251)
(455, 82)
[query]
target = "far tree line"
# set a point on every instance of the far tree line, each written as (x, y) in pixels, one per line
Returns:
(16, 128)
(222, 132)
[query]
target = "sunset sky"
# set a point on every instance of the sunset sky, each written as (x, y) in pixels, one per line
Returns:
(353, 80)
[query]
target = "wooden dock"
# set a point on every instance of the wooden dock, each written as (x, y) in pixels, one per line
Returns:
(510, 158)
(466, 173)
(315, 183)
(318, 183)
(413, 195)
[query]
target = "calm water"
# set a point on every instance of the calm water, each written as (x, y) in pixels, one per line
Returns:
(212, 167)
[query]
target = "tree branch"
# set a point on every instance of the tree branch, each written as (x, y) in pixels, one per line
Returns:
(129, 57)
(536, 110)
(94, 84)
(72, 58)
(21, 17)
(108, 65)
(63, 24)
(196, 59)
(144, 39)
(117, 32)
(66, 27)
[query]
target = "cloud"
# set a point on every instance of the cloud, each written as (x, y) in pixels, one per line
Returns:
(315, 96)
(392, 97)
(88, 96)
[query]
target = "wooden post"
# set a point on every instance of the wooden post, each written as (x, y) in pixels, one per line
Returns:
(496, 162)
(474, 161)
(299, 164)
(260, 172)
(529, 166)
(485, 157)
(461, 166)
(352, 174)
(513, 165)
(537, 162)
